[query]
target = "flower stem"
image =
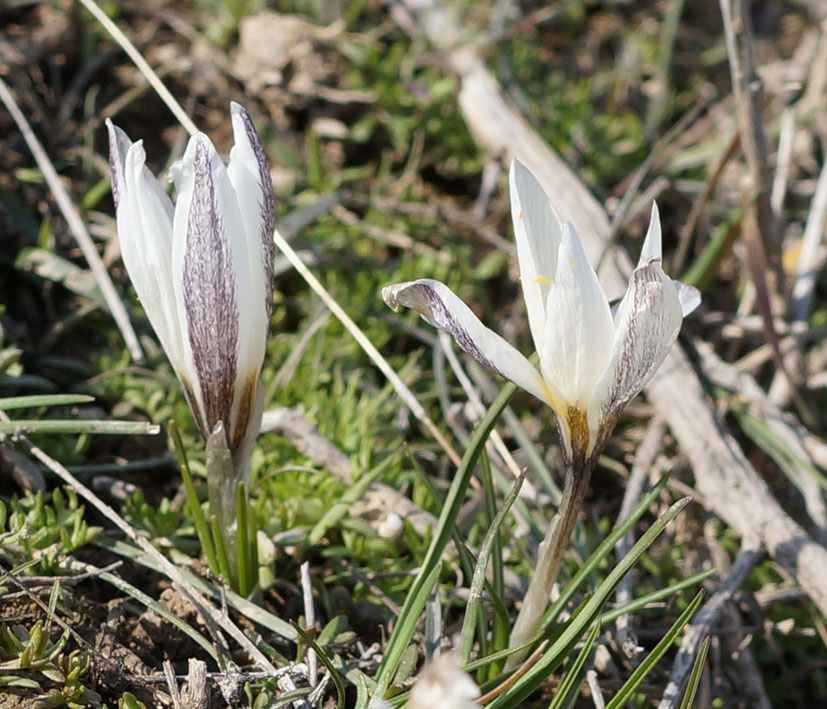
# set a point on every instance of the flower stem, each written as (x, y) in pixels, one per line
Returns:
(550, 556)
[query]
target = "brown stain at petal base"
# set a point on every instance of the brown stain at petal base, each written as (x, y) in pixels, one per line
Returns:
(245, 413)
(579, 430)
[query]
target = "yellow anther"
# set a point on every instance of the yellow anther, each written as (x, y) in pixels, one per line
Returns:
(542, 280)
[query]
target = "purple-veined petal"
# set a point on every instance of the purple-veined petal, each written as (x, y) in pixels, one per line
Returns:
(578, 333)
(440, 307)
(646, 325)
(537, 232)
(249, 174)
(206, 288)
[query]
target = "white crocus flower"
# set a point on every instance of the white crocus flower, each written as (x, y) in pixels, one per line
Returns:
(441, 685)
(203, 270)
(591, 362)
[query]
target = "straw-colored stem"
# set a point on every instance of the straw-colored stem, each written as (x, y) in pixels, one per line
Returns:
(550, 556)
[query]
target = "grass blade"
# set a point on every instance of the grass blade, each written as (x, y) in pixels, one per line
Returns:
(627, 690)
(695, 678)
(24, 402)
(196, 512)
(573, 677)
(587, 615)
(445, 528)
(116, 428)
(475, 599)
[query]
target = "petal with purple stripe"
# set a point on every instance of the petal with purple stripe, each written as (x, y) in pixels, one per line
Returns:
(440, 307)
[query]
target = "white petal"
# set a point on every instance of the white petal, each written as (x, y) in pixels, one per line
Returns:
(249, 174)
(652, 247)
(690, 297)
(440, 307)
(579, 331)
(144, 216)
(537, 232)
(646, 326)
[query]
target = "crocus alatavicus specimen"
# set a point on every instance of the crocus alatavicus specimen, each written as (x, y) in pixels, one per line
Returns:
(203, 270)
(591, 362)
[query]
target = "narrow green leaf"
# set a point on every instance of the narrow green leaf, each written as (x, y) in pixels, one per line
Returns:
(221, 552)
(196, 512)
(406, 625)
(537, 674)
(24, 402)
(659, 595)
(573, 678)
(475, 598)
(644, 668)
(334, 673)
(602, 552)
(115, 428)
(445, 528)
(242, 545)
(695, 678)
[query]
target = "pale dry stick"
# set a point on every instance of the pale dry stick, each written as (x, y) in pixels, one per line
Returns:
(810, 264)
(645, 456)
(789, 432)
(211, 616)
(723, 474)
(784, 156)
(196, 694)
(75, 223)
(747, 89)
(749, 555)
(172, 684)
(310, 619)
(594, 688)
(148, 72)
(728, 482)
(376, 357)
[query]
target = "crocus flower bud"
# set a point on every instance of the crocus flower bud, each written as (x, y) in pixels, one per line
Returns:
(203, 270)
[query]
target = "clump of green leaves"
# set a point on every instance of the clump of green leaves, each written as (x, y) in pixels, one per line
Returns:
(31, 661)
(42, 526)
(162, 521)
